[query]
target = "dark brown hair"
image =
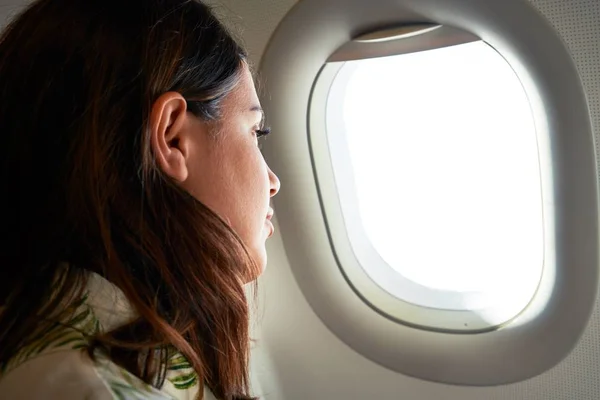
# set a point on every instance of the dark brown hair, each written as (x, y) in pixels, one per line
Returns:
(80, 186)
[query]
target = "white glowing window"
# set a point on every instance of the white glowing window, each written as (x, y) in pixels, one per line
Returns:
(436, 162)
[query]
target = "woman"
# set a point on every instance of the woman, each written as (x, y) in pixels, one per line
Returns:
(136, 202)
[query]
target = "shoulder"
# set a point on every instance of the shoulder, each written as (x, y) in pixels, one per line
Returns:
(55, 364)
(73, 375)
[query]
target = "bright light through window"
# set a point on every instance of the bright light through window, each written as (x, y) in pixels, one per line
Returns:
(443, 151)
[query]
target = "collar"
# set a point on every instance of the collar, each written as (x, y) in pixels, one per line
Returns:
(110, 307)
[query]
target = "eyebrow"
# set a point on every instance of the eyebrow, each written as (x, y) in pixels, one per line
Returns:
(260, 110)
(257, 109)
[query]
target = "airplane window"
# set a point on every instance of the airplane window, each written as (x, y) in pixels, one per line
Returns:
(436, 162)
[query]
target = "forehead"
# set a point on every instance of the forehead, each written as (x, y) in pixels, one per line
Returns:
(244, 94)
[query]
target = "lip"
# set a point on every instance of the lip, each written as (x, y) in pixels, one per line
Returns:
(270, 214)
(271, 228)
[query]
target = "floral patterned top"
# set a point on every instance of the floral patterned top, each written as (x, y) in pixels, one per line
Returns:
(54, 367)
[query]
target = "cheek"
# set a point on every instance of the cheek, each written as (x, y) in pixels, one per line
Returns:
(252, 185)
(251, 196)
(208, 183)
(239, 187)
(233, 181)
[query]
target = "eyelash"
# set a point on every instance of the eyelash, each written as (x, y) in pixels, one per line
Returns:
(262, 132)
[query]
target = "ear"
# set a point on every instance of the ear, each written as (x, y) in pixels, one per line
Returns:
(168, 121)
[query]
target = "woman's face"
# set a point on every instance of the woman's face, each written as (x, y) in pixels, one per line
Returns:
(225, 170)
(232, 177)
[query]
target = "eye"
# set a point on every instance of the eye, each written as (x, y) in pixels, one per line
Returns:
(262, 132)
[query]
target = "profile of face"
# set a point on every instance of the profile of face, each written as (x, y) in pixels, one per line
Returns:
(220, 163)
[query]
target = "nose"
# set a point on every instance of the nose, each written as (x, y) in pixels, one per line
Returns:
(275, 183)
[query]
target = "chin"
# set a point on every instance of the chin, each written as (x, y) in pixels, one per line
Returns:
(261, 267)
(260, 264)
